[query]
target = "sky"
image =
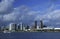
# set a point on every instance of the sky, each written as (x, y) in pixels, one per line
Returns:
(27, 11)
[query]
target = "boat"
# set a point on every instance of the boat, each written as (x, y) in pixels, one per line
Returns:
(5, 31)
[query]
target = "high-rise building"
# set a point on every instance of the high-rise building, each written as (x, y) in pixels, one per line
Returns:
(2, 28)
(21, 26)
(13, 26)
(18, 26)
(35, 24)
(10, 26)
(41, 24)
(38, 27)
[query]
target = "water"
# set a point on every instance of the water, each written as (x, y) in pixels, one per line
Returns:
(30, 35)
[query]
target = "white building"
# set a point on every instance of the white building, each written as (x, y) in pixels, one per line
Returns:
(21, 26)
(12, 26)
(56, 28)
(48, 28)
(38, 27)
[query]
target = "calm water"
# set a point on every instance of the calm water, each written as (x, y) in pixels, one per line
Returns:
(30, 35)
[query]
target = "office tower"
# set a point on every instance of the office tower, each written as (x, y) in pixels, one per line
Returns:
(27, 27)
(10, 26)
(38, 27)
(41, 25)
(0, 28)
(21, 26)
(13, 26)
(3, 28)
(6, 27)
(35, 24)
(18, 26)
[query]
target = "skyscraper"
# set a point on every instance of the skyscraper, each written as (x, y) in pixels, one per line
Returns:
(13, 26)
(41, 24)
(10, 26)
(18, 26)
(35, 24)
(21, 26)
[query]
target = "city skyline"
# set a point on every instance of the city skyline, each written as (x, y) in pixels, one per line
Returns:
(27, 11)
(13, 27)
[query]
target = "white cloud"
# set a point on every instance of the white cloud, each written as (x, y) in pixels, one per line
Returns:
(54, 15)
(12, 16)
(9, 17)
(57, 23)
(6, 6)
(33, 13)
(24, 13)
(17, 14)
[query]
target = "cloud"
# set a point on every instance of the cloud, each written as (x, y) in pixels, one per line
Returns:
(9, 17)
(17, 14)
(52, 18)
(21, 13)
(25, 14)
(53, 15)
(30, 13)
(6, 6)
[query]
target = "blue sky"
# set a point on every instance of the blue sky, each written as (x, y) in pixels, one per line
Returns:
(38, 4)
(27, 11)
